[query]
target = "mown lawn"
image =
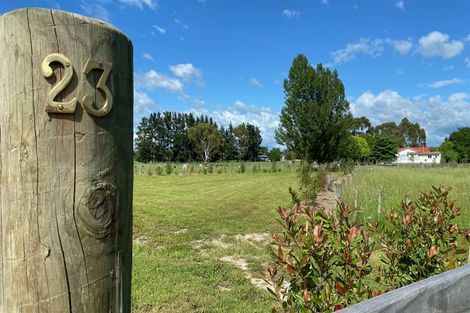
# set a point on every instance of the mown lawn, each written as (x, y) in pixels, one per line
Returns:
(396, 182)
(185, 228)
(176, 267)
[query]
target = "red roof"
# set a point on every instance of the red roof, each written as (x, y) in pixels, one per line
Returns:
(418, 150)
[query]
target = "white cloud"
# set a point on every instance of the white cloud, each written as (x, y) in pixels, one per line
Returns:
(141, 99)
(400, 5)
(240, 112)
(432, 45)
(459, 97)
(400, 46)
(148, 56)
(255, 82)
(185, 71)
(467, 61)
(95, 10)
(180, 23)
(436, 44)
(437, 115)
(290, 13)
(153, 80)
(370, 47)
(467, 39)
(143, 105)
(446, 82)
(140, 3)
(196, 101)
(364, 46)
(160, 29)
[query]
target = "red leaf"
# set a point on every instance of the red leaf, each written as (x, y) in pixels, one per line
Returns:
(317, 233)
(353, 232)
(338, 307)
(432, 252)
(340, 289)
(408, 219)
(291, 270)
(283, 213)
(306, 295)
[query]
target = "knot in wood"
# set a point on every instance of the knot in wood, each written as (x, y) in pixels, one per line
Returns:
(96, 209)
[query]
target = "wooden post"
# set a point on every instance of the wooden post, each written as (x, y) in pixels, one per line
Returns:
(356, 200)
(338, 190)
(468, 261)
(66, 134)
(379, 207)
(407, 199)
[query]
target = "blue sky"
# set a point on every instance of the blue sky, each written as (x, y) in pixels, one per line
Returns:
(228, 59)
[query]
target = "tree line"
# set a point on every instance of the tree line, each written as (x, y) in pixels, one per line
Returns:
(183, 137)
(315, 125)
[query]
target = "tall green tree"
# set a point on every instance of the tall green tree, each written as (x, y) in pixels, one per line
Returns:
(144, 142)
(360, 125)
(249, 140)
(275, 154)
(290, 155)
(412, 133)
(383, 149)
(315, 119)
(206, 140)
(229, 149)
(390, 130)
(461, 141)
(361, 147)
(448, 152)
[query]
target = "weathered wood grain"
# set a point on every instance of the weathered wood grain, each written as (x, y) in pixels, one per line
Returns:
(65, 179)
(448, 292)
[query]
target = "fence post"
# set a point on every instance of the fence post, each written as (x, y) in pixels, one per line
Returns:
(356, 202)
(407, 199)
(379, 207)
(338, 190)
(468, 261)
(66, 163)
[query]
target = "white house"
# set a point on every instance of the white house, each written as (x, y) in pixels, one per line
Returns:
(418, 155)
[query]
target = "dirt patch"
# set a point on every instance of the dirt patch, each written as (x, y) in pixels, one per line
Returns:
(181, 231)
(326, 199)
(242, 264)
(222, 288)
(258, 240)
(220, 242)
(254, 237)
(141, 240)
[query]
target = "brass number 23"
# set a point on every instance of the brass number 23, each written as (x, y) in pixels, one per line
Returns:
(87, 99)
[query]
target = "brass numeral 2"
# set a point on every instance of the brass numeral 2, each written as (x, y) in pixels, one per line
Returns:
(87, 100)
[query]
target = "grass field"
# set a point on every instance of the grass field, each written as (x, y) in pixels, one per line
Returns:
(183, 226)
(199, 240)
(396, 182)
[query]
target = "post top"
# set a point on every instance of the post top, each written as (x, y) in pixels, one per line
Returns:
(82, 18)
